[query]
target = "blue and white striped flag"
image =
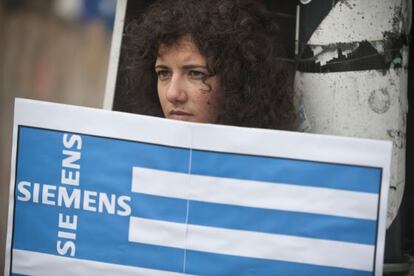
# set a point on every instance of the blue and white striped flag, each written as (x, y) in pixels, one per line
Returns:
(118, 194)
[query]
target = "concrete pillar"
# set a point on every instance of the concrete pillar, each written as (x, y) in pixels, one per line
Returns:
(352, 74)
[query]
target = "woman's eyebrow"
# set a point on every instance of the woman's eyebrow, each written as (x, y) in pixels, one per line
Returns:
(185, 67)
(161, 66)
(194, 66)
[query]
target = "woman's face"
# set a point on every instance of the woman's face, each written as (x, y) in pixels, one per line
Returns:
(185, 90)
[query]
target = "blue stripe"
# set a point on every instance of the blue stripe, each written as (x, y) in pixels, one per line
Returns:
(202, 263)
(104, 158)
(139, 255)
(289, 171)
(159, 208)
(256, 219)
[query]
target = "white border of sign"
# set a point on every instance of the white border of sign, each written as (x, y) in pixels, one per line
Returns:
(312, 147)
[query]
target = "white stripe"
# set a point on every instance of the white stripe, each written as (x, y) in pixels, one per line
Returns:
(39, 264)
(253, 244)
(255, 194)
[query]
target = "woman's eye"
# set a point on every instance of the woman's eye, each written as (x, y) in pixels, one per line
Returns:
(197, 75)
(163, 74)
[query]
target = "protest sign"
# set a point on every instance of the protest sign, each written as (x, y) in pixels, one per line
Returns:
(97, 192)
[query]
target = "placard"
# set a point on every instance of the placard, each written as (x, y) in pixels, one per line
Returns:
(97, 192)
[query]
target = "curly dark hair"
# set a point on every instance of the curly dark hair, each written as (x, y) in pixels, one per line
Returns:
(242, 46)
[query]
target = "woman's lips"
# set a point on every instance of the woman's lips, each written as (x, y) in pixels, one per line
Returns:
(180, 115)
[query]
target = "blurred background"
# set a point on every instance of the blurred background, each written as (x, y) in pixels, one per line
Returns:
(53, 50)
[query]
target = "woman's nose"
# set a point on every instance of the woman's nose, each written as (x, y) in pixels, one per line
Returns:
(176, 91)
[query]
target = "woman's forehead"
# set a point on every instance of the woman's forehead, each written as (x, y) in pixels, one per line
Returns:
(183, 49)
(184, 43)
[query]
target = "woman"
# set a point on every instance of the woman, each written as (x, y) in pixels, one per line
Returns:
(216, 61)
